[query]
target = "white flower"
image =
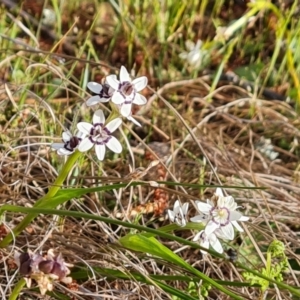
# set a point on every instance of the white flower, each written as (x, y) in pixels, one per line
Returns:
(178, 214)
(220, 215)
(206, 240)
(265, 147)
(99, 134)
(134, 121)
(194, 55)
(126, 91)
(70, 143)
(103, 92)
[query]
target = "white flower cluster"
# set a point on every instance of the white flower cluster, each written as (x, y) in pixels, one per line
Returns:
(219, 216)
(123, 93)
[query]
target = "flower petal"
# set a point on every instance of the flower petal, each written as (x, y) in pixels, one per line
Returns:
(57, 146)
(180, 222)
(92, 100)
(228, 231)
(112, 77)
(237, 226)
(197, 236)
(66, 136)
(63, 151)
(216, 245)
(113, 81)
(211, 227)
(84, 127)
(124, 75)
(139, 99)
(114, 145)
(95, 100)
(95, 87)
(114, 124)
(185, 208)
(183, 55)
(198, 45)
(140, 83)
(203, 207)
(230, 203)
(176, 207)
(98, 117)
(190, 45)
(134, 121)
(100, 151)
(171, 215)
(80, 134)
(234, 215)
(204, 241)
(126, 110)
(219, 192)
(199, 219)
(117, 98)
(85, 145)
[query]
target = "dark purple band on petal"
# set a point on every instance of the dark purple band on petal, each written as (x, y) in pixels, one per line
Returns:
(127, 91)
(72, 143)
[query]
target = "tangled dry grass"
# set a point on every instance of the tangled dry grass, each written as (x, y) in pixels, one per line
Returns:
(226, 136)
(229, 128)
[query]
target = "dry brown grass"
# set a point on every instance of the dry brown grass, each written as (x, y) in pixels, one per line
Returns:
(228, 124)
(228, 128)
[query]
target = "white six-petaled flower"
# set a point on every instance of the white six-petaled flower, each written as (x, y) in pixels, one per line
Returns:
(126, 91)
(194, 55)
(220, 215)
(70, 143)
(103, 92)
(206, 240)
(178, 214)
(99, 134)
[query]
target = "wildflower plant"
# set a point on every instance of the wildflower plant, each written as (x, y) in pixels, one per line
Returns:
(213, 224)
(99, 135)
(122, 94)
(194, 55)
(44, 270)
(126, 91)
(276, 265)
(219, 215)
(178, 214)
(103, 93)
(70, 143)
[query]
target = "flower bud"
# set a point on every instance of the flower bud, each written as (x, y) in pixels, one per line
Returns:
(24, 263)
(46, 266)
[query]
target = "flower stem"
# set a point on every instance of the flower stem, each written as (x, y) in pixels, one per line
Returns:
(17, 289)
(45, 199)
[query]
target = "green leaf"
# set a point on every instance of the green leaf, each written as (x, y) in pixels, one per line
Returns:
(150, 245)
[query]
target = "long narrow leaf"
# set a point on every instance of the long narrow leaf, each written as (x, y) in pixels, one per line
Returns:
(150, 245)
(156, 232)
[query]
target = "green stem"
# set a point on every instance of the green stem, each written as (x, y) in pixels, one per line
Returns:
(62, 175)
(75, 214)
(17, 289)
(51, 193)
